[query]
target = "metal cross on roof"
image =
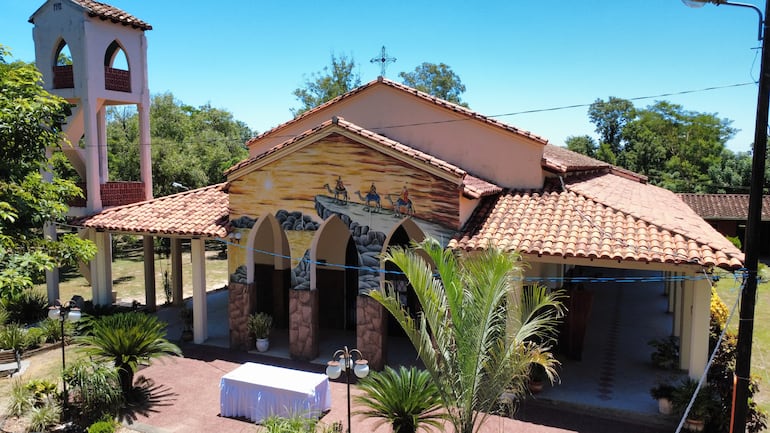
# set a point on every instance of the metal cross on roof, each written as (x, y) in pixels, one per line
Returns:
(383, 60)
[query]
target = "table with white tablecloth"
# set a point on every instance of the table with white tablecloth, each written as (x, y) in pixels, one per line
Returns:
(257, 391)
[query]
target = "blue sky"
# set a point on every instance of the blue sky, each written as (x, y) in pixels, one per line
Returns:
(513, 56)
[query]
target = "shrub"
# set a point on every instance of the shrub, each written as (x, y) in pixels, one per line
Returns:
(43, 417)
(5, 317)
(30, 306)
(94, 390)
(128, 340)
(13, 337)
(51, 329)
(406, 398)
(41, 391)
(666, 354)
(293, 424)
(20, 400)
(104, 426)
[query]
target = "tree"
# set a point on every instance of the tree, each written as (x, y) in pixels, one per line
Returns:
(436, 79)
(192, 146)
(583, 144)
(30, 123)
(328, 84)
(610, 118)
(128, 340)
(478, 333)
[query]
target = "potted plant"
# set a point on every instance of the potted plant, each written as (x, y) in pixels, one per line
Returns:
(186, 314)
(701, 408)
(663, 392)
(537, 377)
(259, 324)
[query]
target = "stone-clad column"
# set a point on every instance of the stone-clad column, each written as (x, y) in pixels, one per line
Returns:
(372, 331)
(303, 324)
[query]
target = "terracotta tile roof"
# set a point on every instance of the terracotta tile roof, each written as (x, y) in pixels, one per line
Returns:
(107, 12)
(562, 160)
(630, 221)
(434, 100)
(474, 187)
(200, 212)
(724, 206)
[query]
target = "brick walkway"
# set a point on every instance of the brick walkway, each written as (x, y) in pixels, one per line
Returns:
(186, 399)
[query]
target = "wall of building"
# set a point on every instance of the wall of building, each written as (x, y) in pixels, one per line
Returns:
(508, 159)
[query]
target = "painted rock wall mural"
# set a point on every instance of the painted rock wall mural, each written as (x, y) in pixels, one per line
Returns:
(370, 191)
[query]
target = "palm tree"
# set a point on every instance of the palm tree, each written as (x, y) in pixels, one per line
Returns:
(406, 398)
(128, 339)
(478, 333)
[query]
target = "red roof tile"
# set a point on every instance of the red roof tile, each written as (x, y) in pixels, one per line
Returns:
(627, 222)
(200, 212)
(724, 206)
(107, 12)
(562, 160)
(437, 101)
(474, 187)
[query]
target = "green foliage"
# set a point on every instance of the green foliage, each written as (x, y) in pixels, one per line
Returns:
(704, 405)
(94, 389)
(29, 306)
(666, 353)
(51, 329)
(106, 426)
(260, 324)
(191, 146)
(41, 390)
(30, 119)
(14, 337)
(610, 118)
(436, 79)
(677, 149)
(583, 144)
(293, 424)
(43, 417)
(30, 123)
(5, 316)
(128, 340)
(722, 373)
(476, 334)
(735, 241)
(328, 84)
(406, 398)
(20, 401)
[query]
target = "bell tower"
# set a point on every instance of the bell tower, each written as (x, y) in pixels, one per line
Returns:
(95, 55)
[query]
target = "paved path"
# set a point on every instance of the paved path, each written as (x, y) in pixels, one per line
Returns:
(186, 399)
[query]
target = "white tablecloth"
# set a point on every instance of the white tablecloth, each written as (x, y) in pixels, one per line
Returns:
(257, 391)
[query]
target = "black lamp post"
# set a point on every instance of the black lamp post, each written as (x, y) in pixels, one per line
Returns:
(749, 295)
(347, 360)
(62, 312)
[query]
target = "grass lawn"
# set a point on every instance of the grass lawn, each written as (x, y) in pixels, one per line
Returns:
(128, 276)
(728, 290)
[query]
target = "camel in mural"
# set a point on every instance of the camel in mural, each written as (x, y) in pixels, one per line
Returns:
(339, 192)
(370, 197)
(401, 206)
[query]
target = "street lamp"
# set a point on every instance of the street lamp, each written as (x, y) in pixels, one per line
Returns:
(348, 360)
(67, 311)
(749, 295)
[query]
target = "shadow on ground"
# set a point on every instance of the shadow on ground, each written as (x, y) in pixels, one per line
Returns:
(146, 398)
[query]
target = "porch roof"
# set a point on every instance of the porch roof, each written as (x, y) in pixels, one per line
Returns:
(724, 206)
(202, 212)
(605, 216)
